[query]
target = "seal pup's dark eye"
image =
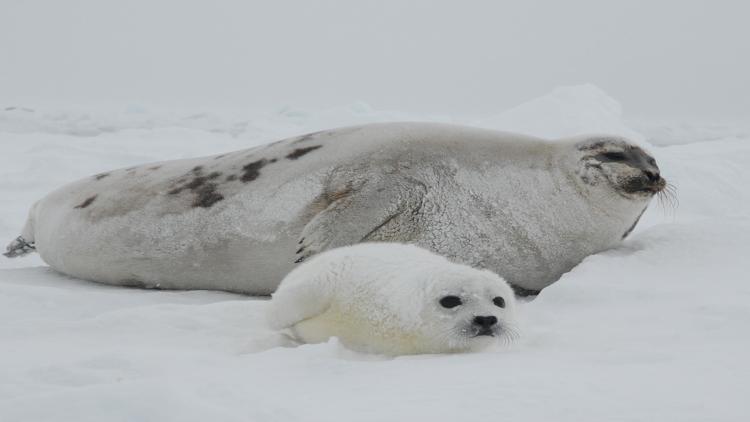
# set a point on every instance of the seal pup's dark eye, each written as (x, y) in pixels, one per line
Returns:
(450, 301)
(614, 156)
(499, 301)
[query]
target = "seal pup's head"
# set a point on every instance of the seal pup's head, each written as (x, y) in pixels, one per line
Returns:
(619, 164)
(468, 311)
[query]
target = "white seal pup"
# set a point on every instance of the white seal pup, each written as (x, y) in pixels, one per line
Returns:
(526, 208)
(393, 299)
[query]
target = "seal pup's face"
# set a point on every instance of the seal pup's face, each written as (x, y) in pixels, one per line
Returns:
(622, 165)
(469, 312)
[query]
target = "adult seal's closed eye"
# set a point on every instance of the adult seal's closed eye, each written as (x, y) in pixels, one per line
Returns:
(526, 208)
(394, 299)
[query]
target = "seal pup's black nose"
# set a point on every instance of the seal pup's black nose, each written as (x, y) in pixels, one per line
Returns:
(485, 321)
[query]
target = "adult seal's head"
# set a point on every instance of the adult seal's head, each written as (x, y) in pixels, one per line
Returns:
(617, 166)
(394, 299)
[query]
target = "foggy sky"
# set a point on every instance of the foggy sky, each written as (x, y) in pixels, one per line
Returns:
(661, 58)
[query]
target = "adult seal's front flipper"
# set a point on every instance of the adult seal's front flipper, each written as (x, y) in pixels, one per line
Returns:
(378, 209)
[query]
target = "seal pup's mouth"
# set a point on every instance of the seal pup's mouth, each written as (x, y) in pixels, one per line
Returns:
(500, 333)
(484, 332)
(493, 331)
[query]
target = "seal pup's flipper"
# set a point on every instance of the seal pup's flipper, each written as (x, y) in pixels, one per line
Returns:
(302, 298)
(381, 210)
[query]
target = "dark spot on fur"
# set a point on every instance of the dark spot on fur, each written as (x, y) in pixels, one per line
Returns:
(299, 152)
(101, 176)
(231, 177)
(86, 203)
(196, 183)
(205, 191)
(130, 169)
(220, 156)
(252, 170)
(154, 168)
(272, 160)
(207, 196)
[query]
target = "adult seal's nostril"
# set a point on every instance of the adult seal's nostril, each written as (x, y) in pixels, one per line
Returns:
(485, 321)
(652, 176)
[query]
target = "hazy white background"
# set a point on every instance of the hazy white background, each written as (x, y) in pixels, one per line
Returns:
(658, 58)
(653, 330)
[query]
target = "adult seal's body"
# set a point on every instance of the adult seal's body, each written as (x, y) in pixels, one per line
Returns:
(526, 208)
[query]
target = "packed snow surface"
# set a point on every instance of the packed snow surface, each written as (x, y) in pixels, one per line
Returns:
(656, 329)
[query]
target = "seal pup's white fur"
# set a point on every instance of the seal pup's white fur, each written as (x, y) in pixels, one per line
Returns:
(394, 299)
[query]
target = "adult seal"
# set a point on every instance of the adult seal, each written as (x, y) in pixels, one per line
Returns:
(526, 208)
(393, 299)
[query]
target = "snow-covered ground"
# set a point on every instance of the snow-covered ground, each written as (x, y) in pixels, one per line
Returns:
(655, 330)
